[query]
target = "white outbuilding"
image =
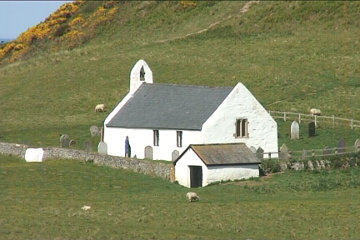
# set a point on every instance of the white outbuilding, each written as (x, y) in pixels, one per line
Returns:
(159, 121)
(200, 165)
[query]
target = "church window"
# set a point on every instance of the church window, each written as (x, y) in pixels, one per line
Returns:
(179, 138)
(242, 128)
(156, 137)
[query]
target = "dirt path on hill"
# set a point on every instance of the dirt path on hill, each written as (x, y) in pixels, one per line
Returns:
(243, 10)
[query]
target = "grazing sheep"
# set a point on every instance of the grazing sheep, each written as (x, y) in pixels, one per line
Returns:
(85, 208)
(315, 111)
(100, 108)
(192, 196)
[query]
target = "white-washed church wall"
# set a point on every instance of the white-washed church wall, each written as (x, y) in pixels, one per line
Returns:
(241, 104)
(141, 138)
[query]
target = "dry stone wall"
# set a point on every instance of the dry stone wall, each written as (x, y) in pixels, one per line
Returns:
(140, 166)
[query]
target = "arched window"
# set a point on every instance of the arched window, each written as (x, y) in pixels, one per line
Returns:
(142, 74)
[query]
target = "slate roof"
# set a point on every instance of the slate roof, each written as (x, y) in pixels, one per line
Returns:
(223, 154)
(169, 106)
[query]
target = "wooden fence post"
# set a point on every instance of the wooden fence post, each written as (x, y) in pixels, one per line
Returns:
(284, 116)
(299, 118)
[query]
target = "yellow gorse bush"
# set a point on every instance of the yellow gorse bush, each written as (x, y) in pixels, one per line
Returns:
(188, 3)
(60, 26)
(77, 22)
(2, 53)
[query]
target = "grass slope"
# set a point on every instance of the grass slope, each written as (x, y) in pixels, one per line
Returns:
(44, 201)
(291, 55)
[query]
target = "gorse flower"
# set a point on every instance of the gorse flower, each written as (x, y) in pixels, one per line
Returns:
(61, 26)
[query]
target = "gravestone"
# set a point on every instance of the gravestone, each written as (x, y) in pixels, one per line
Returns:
(64, 141)
(357, 145)
(87, 146)
(260, 154)
(312, 129)
(341, 146)
(294, 130)
(284, 152)
(310, 165)
(175, 155)
(327, 151)
(303, 155)
(148, 152)
(102, 147)
(253, 149)
(94, 131)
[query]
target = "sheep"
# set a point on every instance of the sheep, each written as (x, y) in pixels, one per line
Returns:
(85, 208)
(100, 108)
(192, 196)
(315, 111)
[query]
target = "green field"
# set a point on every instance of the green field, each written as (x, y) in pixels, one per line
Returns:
(45, 200)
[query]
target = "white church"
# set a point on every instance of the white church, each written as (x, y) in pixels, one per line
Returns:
(162, 120)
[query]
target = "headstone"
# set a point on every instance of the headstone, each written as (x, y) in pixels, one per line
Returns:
(284, 152)
(87, 146)
(327, 151)
(64, 140)
(294, 130)
(102, 147)
(310, 165)
(149, 152)
(260, 154)
(303, 155)
(312, 129)
(174, 155)
(94, 131)
(253, 149)
(341, 146)
(357, 145)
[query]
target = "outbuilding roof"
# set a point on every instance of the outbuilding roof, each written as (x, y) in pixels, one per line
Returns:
(223, 154)
(169, 106)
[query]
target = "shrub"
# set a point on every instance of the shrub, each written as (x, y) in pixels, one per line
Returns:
(270, 166)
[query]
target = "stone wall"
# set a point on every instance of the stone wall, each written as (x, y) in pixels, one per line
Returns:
(140, 166)
(13, 149)
(330, 162)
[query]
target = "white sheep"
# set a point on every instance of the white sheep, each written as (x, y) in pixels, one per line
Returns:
(192, 196)
(85, 208)
(100, 108)
(315, 111)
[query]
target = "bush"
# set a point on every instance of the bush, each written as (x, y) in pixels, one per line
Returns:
(270, 166)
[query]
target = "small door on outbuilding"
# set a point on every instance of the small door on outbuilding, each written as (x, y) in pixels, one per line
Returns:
(195, 176)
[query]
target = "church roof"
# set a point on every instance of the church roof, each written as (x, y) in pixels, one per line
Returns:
(223, 154)
(169, 106)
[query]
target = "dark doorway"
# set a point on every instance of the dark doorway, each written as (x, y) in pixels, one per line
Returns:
(195, 176)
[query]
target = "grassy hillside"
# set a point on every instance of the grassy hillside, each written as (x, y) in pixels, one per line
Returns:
(291, 55)
(44, 201)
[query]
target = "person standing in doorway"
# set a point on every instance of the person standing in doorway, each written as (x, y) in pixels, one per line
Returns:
(127, 147)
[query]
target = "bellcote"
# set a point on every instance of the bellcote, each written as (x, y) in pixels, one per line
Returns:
(140, 73)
